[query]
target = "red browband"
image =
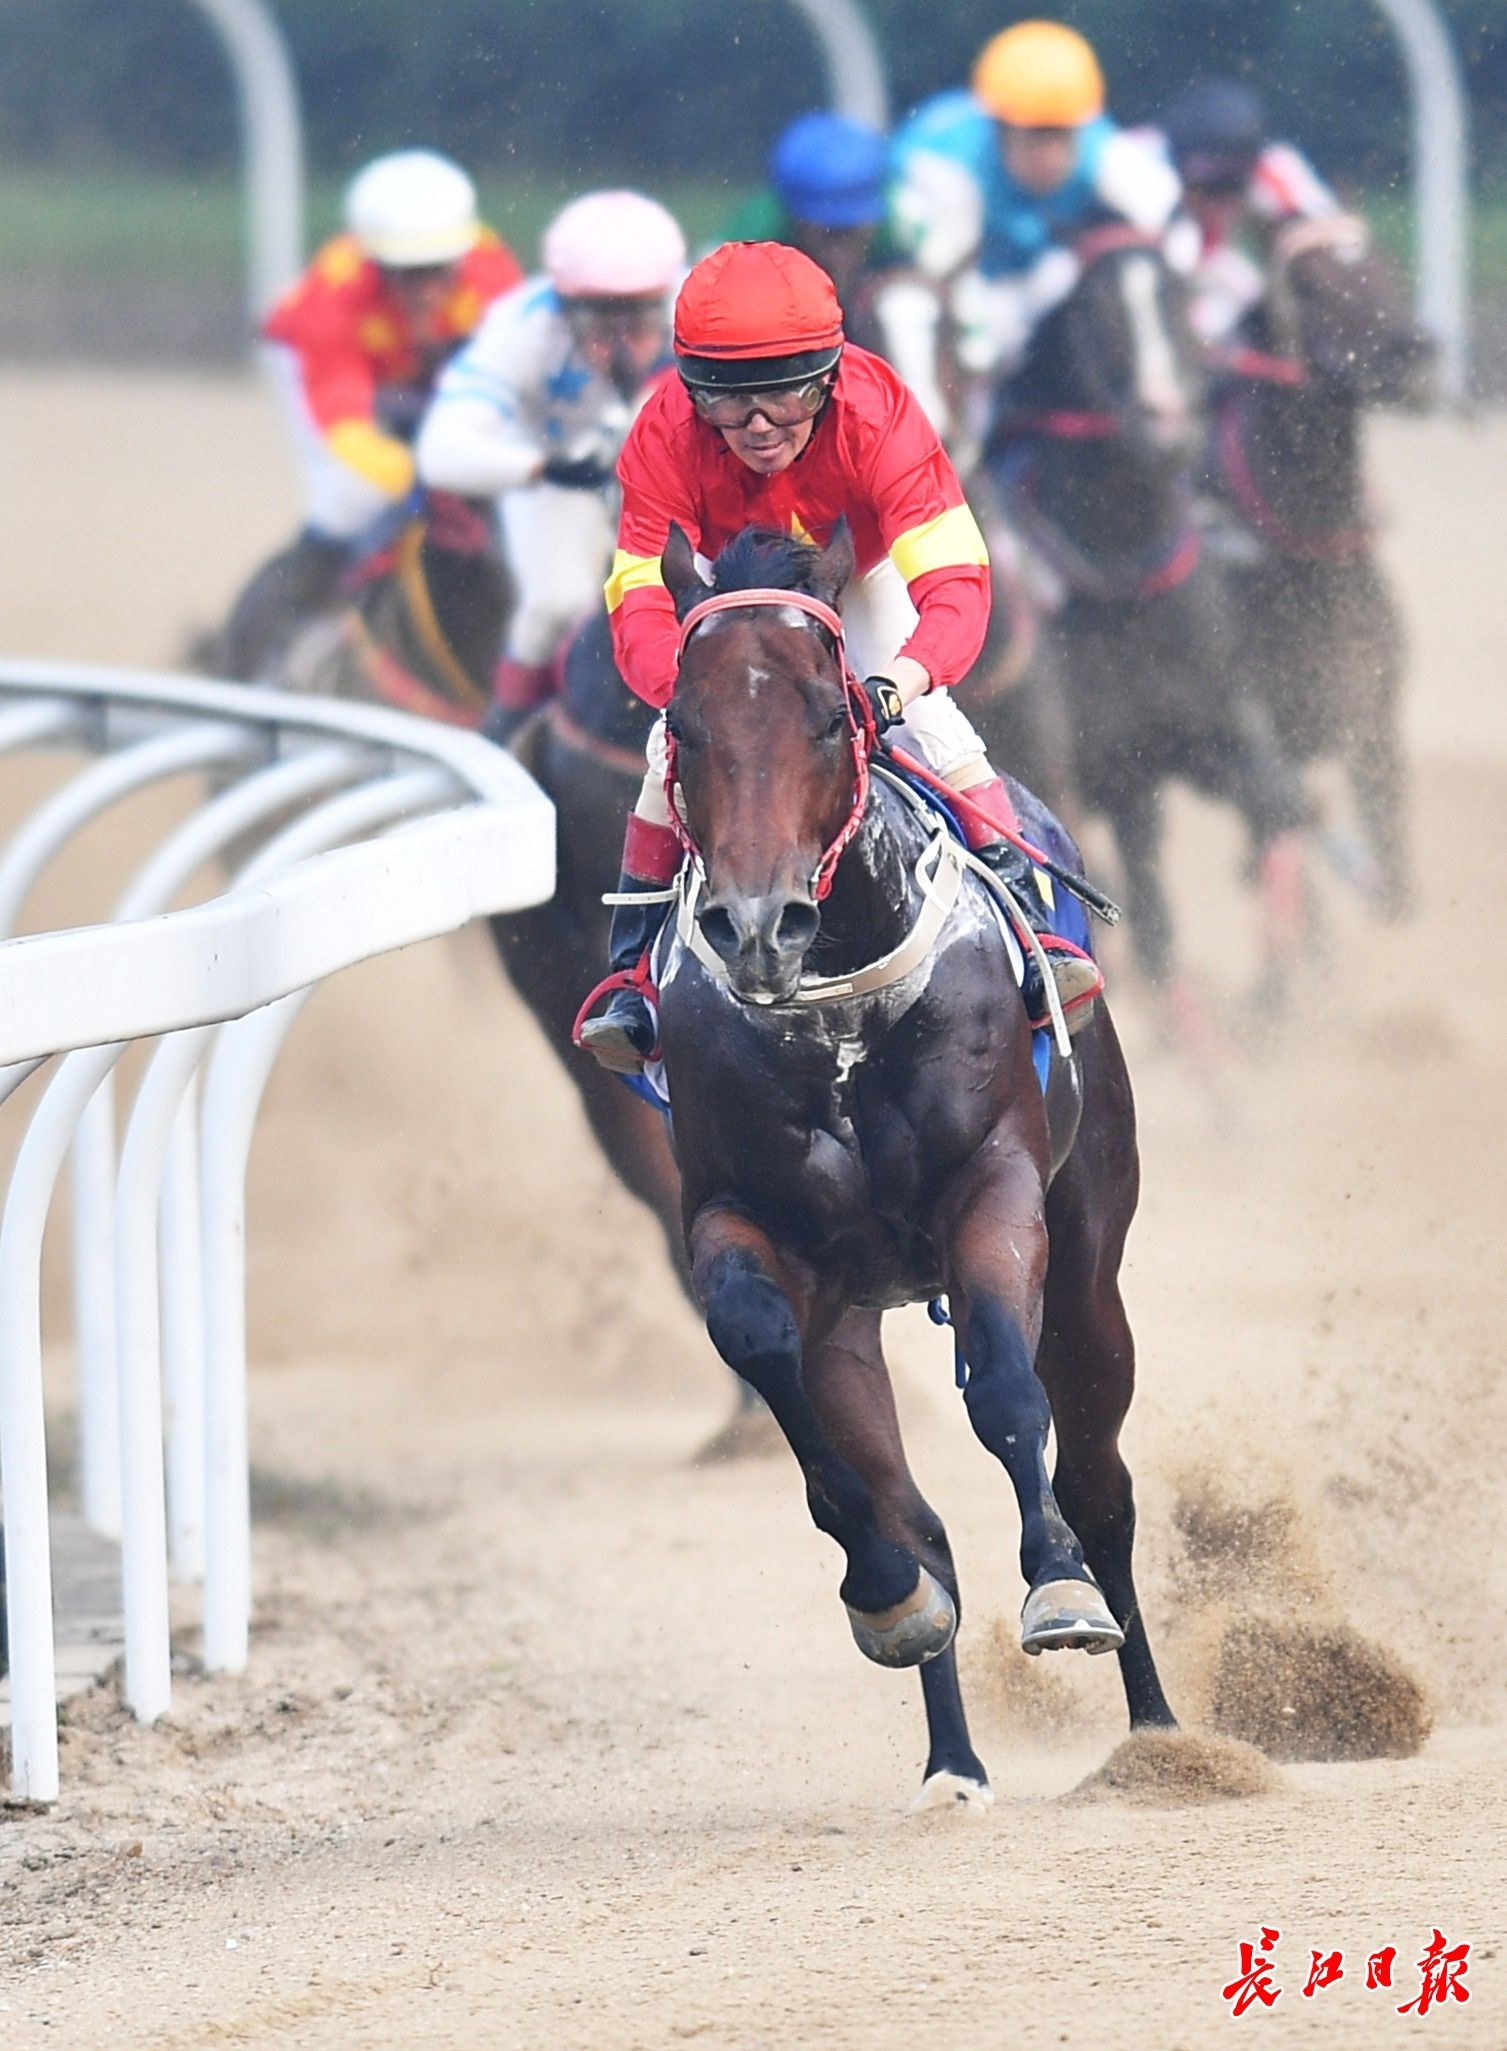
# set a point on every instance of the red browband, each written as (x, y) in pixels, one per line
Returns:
(733, 601)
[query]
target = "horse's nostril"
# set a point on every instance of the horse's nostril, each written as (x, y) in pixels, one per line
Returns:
(721, 933)
(797, 927)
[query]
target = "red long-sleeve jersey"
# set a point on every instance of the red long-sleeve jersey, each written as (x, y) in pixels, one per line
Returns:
(873, 456)
(352, 337)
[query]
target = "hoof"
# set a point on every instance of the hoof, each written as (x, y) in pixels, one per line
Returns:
(952, 1791)
(911, 1633)
(1068, 1616)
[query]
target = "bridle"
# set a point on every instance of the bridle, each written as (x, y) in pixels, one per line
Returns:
(863, 734)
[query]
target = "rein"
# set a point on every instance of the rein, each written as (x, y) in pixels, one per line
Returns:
(1260, 367)
(863, 734)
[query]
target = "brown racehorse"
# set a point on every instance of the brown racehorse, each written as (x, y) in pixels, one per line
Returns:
(879, 1137)
(1322, 641)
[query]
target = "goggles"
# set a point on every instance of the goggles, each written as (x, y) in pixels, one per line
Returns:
(783, 408)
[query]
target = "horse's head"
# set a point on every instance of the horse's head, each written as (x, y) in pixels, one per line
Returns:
(1338, 307)
(1120, 347)
(766, 752)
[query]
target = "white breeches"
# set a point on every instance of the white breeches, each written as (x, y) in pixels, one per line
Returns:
(878, 618)
(337, 502)
(558, 545)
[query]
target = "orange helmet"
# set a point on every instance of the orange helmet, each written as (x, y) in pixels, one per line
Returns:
(1039, 74)
(755, 315)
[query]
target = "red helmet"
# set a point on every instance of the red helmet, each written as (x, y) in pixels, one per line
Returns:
(756, 315)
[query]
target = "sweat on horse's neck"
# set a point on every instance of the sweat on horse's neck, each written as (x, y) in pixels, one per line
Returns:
(871, 906)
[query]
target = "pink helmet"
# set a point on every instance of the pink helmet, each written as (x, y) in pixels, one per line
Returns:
(613, 245)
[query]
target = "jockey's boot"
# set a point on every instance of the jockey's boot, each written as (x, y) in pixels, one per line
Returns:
(1076, 974)
(623, 1034)
(297, 584)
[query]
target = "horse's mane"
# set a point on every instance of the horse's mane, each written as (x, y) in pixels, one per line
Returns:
(767, 559)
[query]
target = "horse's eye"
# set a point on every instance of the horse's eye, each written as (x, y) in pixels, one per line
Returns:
(836, 726)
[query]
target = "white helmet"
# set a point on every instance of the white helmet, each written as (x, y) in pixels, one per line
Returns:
(412, 208)
(613, 245)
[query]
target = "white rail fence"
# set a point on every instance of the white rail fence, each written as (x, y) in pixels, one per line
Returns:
(375, 830)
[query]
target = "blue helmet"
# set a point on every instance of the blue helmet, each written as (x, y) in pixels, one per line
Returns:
(831, 170)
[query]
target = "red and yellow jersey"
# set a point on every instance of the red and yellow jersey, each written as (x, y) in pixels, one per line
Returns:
(353, 339)
(873, 456)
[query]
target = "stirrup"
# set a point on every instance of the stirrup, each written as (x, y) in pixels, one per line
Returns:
(607, 1039)
(1079, 980)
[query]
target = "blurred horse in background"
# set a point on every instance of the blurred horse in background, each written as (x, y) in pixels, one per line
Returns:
(421, 631)
(1321, 640)
(1092, 456)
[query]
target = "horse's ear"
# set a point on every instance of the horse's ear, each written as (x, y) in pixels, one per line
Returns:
(677, 566)
(835, 565)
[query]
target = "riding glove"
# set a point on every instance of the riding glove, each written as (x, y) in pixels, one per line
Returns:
(579, 473)
(884, 697)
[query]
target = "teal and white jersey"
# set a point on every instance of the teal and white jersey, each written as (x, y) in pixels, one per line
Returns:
(953, 202)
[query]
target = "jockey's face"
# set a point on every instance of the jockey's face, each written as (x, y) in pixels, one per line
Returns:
(764, 445)
(1218, 210)
(1040, 159)
(422, 291)
(621, 339)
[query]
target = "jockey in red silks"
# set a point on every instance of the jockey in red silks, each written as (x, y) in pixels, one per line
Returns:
(357, 343)
(775, 422)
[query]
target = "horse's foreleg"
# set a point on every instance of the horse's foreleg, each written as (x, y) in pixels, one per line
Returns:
(855, 1404)
(756, 1306)
(996, 1266)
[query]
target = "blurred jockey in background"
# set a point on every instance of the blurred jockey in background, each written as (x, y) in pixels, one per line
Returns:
(773, 422)
(991, 186)
(1239, 189)
(534, 410)
(828, 197)
(358, 343)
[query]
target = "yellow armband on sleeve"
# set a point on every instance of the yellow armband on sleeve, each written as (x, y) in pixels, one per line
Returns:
(380, 458)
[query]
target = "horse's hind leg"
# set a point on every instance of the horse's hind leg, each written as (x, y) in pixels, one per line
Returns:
(1087, 1355)
(755, 1311)
(1372, 636)
(996, 1262)
(855, 1404)
(1136, 815)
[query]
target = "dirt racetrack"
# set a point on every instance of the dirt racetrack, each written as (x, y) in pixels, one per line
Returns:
(553, 1740)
